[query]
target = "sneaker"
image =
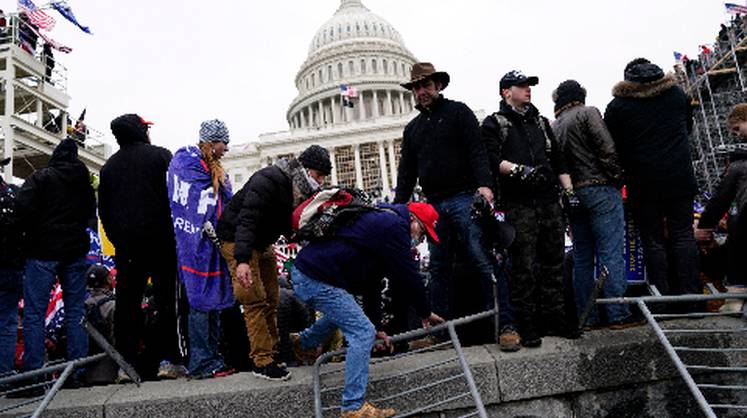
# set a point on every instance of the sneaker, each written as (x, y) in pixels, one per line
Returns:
(509, 340)
(167, 370)
(628, 322)
(305, 357)
(220, 372)
(122, 377)
(369, 411)
(531, 339)
(272, 372)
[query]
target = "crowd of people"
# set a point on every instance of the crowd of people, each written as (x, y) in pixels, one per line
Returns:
(178, 229)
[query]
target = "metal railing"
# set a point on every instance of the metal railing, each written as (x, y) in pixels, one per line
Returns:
(458, 358)
(44, 380)
(684, 369)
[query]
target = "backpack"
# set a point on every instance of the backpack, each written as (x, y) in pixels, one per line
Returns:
(321, 215)
(97, 320)
(7, 207)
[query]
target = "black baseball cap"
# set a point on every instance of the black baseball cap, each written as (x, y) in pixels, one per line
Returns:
(517, 78)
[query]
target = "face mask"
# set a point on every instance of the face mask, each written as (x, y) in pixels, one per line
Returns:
(313, 183)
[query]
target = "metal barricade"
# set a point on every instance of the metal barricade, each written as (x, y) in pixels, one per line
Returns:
(47, 383)
(452, 343)
(704, 345)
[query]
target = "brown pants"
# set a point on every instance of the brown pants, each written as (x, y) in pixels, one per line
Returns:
(259, 302)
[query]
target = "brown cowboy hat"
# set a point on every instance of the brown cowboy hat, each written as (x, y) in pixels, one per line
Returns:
(425, 70)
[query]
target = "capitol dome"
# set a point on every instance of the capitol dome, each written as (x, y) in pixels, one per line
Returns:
(355, 48)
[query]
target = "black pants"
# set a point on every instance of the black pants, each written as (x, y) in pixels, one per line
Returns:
(537, 293)
(663, 225)
(133, 270)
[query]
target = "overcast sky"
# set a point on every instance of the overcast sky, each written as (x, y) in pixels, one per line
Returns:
(178, 63)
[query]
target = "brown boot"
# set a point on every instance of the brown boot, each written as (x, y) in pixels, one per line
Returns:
(509, 340)
(369, 411)
(304, 357)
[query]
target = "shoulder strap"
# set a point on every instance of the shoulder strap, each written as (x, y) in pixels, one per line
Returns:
(503, 125)
(548, 142)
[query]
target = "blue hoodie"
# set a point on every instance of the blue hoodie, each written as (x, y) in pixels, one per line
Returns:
(375, 246)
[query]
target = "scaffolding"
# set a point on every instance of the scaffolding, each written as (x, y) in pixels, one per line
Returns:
(715, 83)
(34, 104)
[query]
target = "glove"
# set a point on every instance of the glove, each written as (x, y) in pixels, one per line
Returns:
(529, 174)
(571, 202)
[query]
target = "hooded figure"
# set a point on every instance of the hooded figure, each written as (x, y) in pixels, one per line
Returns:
(56, 204)
(650, 120)
(135, 213)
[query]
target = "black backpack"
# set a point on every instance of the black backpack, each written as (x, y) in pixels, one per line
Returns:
(97, 320)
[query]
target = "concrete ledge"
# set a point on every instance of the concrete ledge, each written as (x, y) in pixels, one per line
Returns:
(604, 374)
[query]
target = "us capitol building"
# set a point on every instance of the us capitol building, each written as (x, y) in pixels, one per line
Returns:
(359, 49)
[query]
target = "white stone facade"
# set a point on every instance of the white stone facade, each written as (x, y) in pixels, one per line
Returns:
(360, 49)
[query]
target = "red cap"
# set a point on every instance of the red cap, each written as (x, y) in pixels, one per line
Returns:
(145, 122)
(427, 215)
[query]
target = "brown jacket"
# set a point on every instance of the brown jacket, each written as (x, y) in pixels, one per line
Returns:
(588, 147)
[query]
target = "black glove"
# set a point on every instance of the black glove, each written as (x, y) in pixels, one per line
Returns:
(571, 203)
(529, 174)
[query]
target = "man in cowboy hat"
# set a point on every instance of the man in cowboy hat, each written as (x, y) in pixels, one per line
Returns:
(529, 166)
(443, 150)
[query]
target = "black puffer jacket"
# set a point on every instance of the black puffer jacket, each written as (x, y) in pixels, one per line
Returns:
(588, 147)
(133, 199)
(733, 187)
(649, 123)
(259, 213)
(442, 149)
(56, 205)
(526, 142)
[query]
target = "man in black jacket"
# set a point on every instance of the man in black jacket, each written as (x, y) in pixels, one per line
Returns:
(56, 205)
(529, 167)
(732, 188)
(135, 213)
(443, 151)
(11, 271)
(650, 119)
(254, 220)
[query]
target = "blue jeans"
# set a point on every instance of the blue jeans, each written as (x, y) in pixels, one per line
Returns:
(11, 287)
(340, 311)
(599, 230)
(455, 221)
(204, 337)
(37, 285)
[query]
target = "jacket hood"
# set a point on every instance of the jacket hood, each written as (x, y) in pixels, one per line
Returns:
(634, 90)
(129, 129)
(66, 151)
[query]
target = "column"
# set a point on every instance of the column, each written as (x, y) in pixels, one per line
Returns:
(392, 163)
(333, 110)
(39, 112)
(362, 104)
(358, 168)
(375, 104)
(10, 98)
(402, 102)
(321, 114)
(412, 101)
(384, 175)
(388, 105)
(334, 165)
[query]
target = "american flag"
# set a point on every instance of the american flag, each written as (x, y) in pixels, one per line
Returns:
(735, 8)
(348, 91)
(36, 15)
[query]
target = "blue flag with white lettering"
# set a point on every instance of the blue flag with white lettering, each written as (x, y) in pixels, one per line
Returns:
(193, 203)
